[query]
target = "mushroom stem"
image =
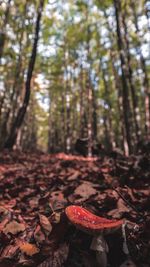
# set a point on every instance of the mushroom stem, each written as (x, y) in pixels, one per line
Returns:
(101, 258)
(125, 246)
(100, 246)
(94, 225)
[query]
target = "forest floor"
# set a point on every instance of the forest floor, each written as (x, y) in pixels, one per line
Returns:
(36, 188)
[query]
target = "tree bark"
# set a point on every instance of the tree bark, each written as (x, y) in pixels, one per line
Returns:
(147, 11)
(94, 104)
(90, 132)
(144, 70)
(118, 84)
(22, 111)
(3, 33)
(89, 96)
(125, 89)
(134, 98)
(81, 83)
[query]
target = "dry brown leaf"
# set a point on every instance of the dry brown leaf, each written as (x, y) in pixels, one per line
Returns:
(29, 249)
(121, 205)
(9, 251)
(74, 176)
(3, 223)
(4, 210)
(85, 190)
(57, 195)
(55, 217)
(39, 235)
(45, 223)
(34, 202)
(14, 228)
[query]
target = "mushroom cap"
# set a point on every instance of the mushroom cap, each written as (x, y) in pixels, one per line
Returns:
(90, 223)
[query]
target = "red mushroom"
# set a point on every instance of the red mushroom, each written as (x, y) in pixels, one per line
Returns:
(88, 222)
(95, 225)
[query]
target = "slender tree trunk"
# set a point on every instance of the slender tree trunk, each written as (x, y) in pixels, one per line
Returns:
(106, 132)
(145, 78)
(126, 104)
(94, 109)
(49, 124)
(68, 137)
(11, 109)
(2, 99)
(3, 33)
(19, 70)
(81, 103)
(63, 122)
(22, 111)
(67, 103)
(119, 103)
(89, 96)
(118, 86)
(74, 118)
(147, 11)
(90, 133)
(94, 115)
(134, 98)
(108, 118)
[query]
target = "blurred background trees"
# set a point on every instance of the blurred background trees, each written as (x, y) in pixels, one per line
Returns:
(89, 77)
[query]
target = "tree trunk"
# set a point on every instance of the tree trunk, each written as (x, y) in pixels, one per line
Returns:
(63, 121)
(136, 114)
(82, 125)
(117, 81)
(90, 136)
(125, 89)
(147, 10)
(22, 111)
(89, 96)
(19, 70)
(94, 104)
(3, 33)
(108, 118)
(67, 101)
(145, 78)
(118, 86)
(10, 112)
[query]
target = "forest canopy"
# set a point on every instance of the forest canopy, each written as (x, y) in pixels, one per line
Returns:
(74, 69)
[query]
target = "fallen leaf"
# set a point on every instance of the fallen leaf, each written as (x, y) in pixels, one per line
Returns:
(9, 251)
(38, 234)
(14, 228)
(29, 249)
(74, 176)
(122, 207)
(3, 223)
(85, 190)
(45, 223)
(55, 217)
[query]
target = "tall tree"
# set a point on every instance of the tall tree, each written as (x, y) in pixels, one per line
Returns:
(125, 88)
(145, 78)
(22, 110)
(3, 29)
(136, 114)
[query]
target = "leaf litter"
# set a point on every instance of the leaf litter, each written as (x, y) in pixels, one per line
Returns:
(36, 188)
